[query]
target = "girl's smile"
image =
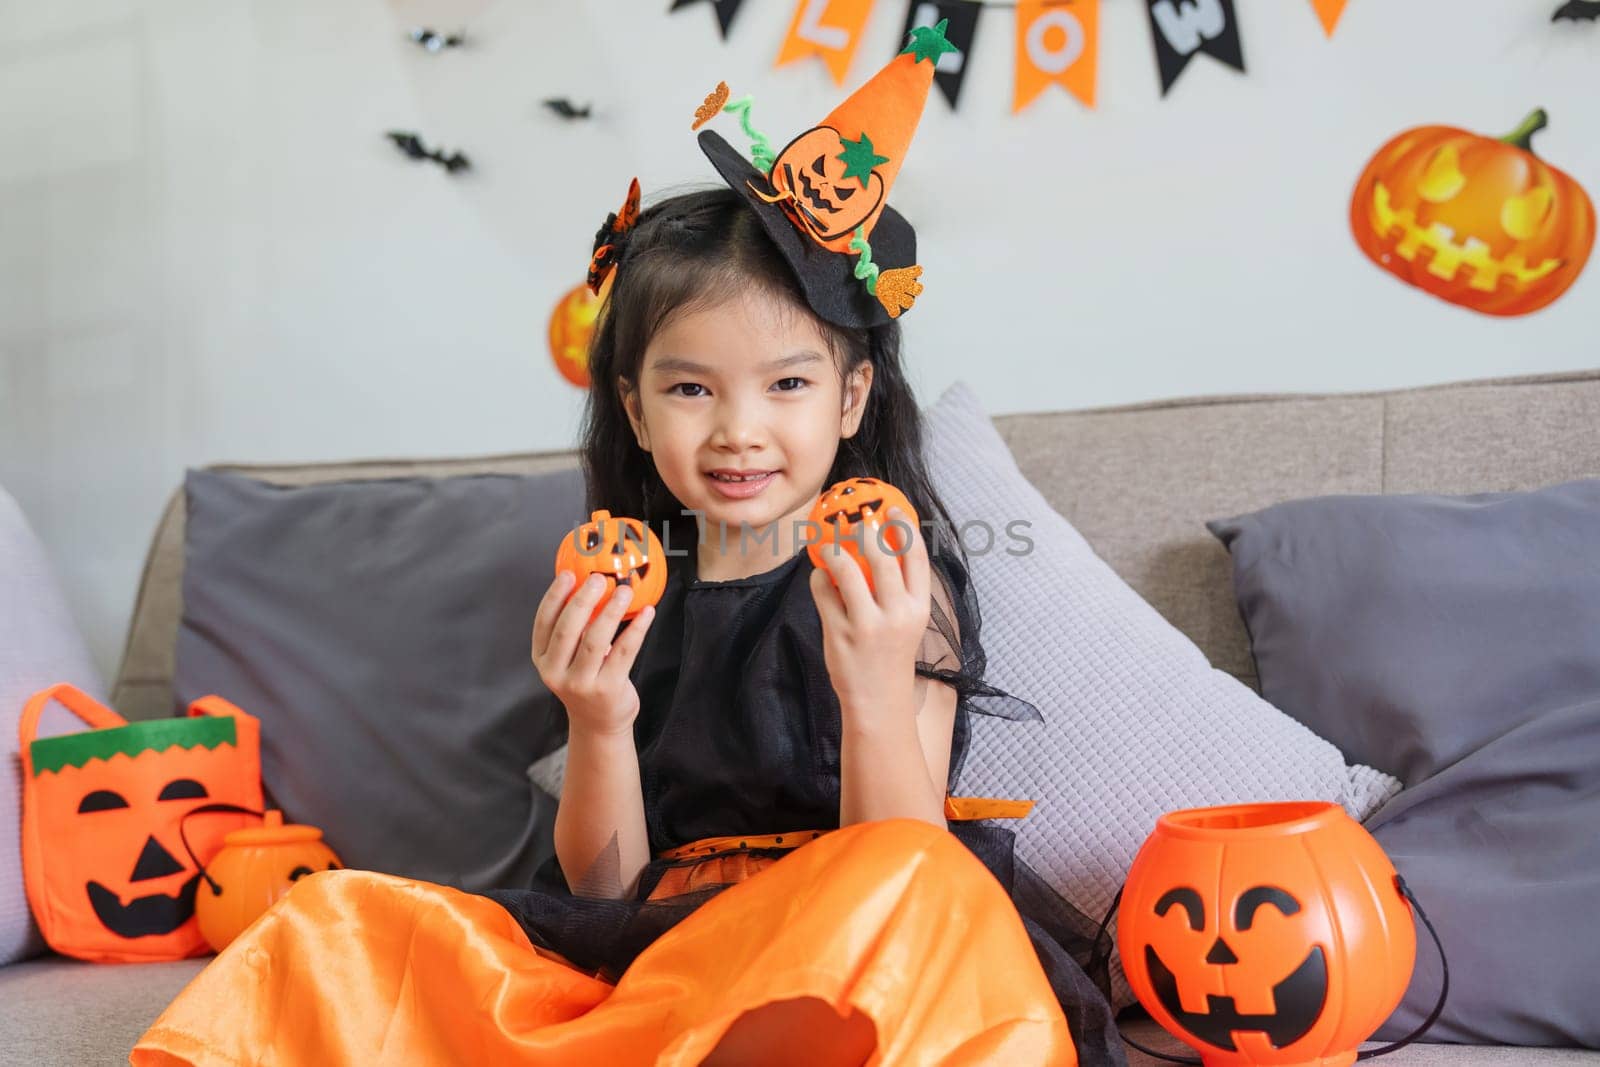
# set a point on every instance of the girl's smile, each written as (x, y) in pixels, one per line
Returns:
(741, 485)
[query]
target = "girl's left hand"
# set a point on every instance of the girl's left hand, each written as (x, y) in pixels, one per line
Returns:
(870, 637)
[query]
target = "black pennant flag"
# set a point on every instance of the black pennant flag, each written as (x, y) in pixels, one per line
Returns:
(726, 9)
(952, 66)
(1182, 28)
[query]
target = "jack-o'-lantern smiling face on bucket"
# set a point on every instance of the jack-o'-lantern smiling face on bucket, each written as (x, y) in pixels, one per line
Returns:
(1280, 982)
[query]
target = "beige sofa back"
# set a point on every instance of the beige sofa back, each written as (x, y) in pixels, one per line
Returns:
(1139, 482)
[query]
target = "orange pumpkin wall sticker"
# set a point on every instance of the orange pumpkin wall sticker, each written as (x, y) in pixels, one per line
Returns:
(108, 877)
(1478, 221)
(571, 328)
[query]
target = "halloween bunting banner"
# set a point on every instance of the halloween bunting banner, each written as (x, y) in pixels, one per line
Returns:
(1329, 11)
(1056, 44)
(1181, 29)
(1057, 41)
(726, 10)
(961, 29)
(827, 28)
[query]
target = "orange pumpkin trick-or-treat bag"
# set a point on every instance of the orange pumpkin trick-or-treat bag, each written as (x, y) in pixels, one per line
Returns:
(109, 872)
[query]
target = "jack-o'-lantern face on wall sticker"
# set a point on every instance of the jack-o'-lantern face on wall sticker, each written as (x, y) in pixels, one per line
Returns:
(1480, 222)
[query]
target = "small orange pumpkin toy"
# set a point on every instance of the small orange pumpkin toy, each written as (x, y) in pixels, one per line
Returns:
(857, 508)
(1480, 222)
(1266, 933)
(625, 550)
(255, 867)
(102, 850)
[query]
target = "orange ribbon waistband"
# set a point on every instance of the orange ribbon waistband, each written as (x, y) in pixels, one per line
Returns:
(956, 809)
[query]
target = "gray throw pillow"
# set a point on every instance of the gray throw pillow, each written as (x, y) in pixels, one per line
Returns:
(1136, 722)
(1455, 641)
(380, 631)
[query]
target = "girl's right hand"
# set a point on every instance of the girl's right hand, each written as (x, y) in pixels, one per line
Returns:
(582, 665)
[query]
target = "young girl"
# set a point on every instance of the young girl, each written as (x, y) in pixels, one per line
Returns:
(757, 861)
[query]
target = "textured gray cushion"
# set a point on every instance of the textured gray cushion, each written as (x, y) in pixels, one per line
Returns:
(380, 630)
(1456, 642)
(1136, 722)
(39, 646)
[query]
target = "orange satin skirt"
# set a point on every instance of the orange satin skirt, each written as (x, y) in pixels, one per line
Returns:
(895, 919)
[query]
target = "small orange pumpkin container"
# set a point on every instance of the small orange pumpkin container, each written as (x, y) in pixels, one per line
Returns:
(254, 868)
(625, 551)
(1266, 933)
(850, 511)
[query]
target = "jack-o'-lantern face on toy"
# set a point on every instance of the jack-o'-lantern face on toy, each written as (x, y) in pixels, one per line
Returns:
(847, 512)
(1279, 978)
(834, 184)
(624, 550)
(1480, 222)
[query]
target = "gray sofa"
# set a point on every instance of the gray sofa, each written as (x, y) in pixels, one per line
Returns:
(1139, 482)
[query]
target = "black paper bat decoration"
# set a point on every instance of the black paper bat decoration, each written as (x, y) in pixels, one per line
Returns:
(434, 42)
(566, 108)
(1577, 11)
(412, 146)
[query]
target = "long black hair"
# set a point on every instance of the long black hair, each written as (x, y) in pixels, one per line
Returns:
(691, 251)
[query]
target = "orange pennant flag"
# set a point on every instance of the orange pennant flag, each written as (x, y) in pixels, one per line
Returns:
(1329, 11)
(1056, 42)
(827, 28)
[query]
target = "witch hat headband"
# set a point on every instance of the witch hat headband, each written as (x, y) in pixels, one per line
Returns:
(824, 199)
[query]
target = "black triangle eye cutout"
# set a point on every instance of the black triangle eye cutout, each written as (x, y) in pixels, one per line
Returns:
(183, 789)
(101, 800)
(591, 540)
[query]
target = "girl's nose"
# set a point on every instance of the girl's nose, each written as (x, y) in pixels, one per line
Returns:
(736, 429)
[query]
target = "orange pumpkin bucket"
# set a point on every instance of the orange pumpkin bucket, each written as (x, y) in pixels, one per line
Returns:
(102, 858)
(1266, 933)
(255, 867)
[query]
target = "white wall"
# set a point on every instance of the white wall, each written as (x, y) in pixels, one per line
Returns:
(209, 252)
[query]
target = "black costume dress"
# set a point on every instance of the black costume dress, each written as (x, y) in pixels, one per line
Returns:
(739, 733)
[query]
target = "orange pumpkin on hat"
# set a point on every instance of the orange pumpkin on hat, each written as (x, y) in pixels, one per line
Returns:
(1266, 933)
(1478, 221)
(836, 187)
(625, 551)
(847, 512)
(255, 867)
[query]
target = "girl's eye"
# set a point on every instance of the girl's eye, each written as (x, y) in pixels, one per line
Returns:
(685, 385)
(798, 382)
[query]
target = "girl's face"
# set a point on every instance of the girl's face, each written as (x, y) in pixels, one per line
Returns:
(746, 388)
